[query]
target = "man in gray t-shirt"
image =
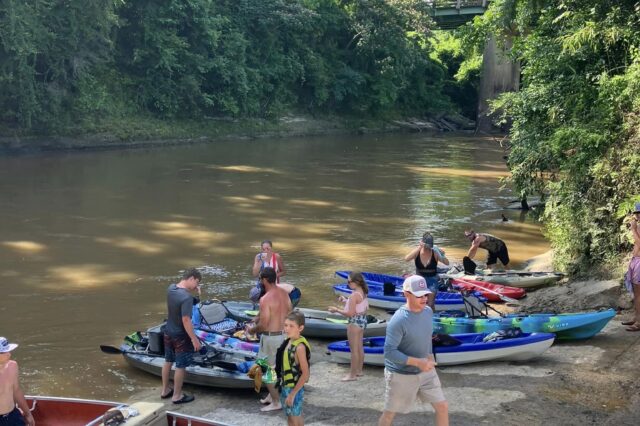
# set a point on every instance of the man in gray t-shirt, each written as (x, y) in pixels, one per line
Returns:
(407, 354)
(180, 341)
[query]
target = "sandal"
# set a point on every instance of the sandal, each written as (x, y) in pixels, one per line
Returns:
(628, 322)
(168, 395)
(185, 398)
(634, 327)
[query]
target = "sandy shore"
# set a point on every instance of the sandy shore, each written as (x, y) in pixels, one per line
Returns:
(574, 383)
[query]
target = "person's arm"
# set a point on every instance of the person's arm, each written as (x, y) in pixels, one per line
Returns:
(301, 358)
(474, 247)
(263, 319)
(440, 257)
(414, 253)
(257, 264)
(349, 307)
(188, 326)
(392, 340)
(281, 271)
(18, 397)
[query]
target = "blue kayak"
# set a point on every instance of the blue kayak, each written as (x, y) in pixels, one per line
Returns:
(471, 349)
(571, 326)
(444, 301)
(375, 278)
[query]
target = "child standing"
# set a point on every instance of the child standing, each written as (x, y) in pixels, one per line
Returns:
(355, 309)
(292, 367)
(10, 391)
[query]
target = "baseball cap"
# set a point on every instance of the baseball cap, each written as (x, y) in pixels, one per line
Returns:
(5, 346)
(416, 285)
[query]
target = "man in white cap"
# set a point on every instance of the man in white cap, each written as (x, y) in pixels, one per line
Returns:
(632, 277)
(409, 366)
(10, 391)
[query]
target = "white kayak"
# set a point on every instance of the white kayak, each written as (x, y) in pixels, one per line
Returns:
(520, 279)
(472, 349)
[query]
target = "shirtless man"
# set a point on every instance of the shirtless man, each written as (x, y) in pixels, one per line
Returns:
(632, 277)
(495, 246)
(275, 305)
(10, 391)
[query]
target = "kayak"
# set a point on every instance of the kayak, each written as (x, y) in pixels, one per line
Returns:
(55, 411)
(486, 289)
(569, 326)
(472, 349)
(492, 292)
(218, 366)
(444, 301)
(520, 279)
(320, 324)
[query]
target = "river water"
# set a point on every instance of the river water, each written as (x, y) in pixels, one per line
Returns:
(90, 241)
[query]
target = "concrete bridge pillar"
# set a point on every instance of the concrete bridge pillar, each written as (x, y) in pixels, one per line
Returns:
(498, 75)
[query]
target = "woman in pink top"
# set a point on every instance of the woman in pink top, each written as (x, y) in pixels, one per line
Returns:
(355, 308)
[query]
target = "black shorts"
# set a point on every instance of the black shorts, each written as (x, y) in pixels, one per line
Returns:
(502, 254)
(13, 418)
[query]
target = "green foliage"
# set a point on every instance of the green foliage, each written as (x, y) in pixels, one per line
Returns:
(65, 63)
(575, 120)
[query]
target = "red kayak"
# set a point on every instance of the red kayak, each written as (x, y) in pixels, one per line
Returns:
(493, 292)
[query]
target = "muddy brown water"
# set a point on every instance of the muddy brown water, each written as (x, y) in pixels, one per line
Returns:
(90, 241)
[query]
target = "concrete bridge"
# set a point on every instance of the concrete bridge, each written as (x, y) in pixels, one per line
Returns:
(450, 14)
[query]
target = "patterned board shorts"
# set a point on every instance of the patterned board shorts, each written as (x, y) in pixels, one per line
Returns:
(359, 319)
(296, 409)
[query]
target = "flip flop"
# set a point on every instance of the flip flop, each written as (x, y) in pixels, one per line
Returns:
(628, 322)
(168, 395)
(635, 327)
(271, 407)
(185, 398)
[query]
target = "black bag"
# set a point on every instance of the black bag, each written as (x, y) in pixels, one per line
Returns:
(439, 340)
(388, 289)
(469, 265)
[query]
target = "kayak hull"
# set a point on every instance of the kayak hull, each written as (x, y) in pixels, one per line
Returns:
(470, 351)
(513, 279)
(571, 326)
(492, 292)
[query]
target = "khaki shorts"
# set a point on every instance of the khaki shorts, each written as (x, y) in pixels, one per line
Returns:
(269, 346)
(401, 390)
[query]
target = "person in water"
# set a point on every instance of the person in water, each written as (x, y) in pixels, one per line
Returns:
(496, 248)
(180, 340)
(266, 258)
(355, 308)
(426, 257)
(292, 368)
(14, 410)
(632, 277)
(275, 305)
(409, 365)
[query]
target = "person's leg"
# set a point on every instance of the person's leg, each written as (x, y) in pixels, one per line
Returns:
(166, 374)
(353, 348)
(442, 413)
(503, 255)
(636, 302)
(386, 419)
(360, 364)
(275, 399)
(178, 380)
(492, 260)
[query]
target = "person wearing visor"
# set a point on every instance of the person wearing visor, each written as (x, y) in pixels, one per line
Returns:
(495, 246)
(409, 364)
(426, 257)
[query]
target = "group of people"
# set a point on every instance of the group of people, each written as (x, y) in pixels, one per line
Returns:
(409, 363)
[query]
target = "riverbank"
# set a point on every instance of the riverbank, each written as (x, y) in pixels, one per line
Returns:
(129, 133)
(595, 381)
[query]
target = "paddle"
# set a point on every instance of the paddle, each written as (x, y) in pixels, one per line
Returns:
(501, 296)
(112, 350)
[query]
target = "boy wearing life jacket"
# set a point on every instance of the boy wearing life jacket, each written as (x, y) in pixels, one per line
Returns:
(292, 367)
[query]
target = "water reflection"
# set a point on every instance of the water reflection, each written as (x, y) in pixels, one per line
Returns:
(89, 242)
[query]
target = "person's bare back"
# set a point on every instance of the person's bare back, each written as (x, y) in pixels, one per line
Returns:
(275, 305)
(8, 381)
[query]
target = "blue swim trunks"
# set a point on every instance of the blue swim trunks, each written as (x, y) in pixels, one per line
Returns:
(432, 284)
(296, 409)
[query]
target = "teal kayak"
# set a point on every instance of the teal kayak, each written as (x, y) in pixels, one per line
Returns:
(571, 326)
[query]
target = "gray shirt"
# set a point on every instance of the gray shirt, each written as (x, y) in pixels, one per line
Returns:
(408, 335)
(179, 304)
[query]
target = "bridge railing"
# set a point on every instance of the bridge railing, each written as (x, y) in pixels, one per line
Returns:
(457, 4)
